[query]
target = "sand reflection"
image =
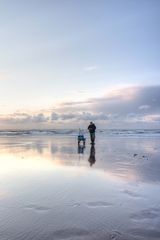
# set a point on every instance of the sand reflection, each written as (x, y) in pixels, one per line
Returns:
(117, 159)
(52, 188)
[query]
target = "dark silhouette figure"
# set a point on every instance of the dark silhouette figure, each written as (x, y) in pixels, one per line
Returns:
(92, 158)
(92, 129)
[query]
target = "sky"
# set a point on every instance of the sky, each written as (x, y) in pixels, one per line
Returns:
(66, 63)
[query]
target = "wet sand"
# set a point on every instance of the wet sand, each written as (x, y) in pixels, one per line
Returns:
(51, 189)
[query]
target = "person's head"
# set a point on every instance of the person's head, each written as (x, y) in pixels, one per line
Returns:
(91, 122)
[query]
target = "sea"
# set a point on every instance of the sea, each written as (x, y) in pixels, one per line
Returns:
(75, 132)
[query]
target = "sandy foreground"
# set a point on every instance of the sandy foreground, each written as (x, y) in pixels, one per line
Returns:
(51, 190)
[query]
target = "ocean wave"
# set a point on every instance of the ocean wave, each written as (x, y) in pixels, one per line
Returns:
(74, 132)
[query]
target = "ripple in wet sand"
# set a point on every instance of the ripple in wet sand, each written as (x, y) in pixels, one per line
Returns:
(149, 233)
(145, 214)
(70, 233)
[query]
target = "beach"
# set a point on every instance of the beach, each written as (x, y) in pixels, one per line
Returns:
(51, 189)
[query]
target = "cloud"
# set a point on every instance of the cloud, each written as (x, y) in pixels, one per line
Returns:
(91, 68)
(54, 116)
(135, 107)
(152, 118)
(74, 103)
(67, 116)
(120, 108)
(23, 118)
(78, 116)
(39, 118)
(130, 100)
(120, 101)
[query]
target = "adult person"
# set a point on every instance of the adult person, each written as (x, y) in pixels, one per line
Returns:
(92, 129)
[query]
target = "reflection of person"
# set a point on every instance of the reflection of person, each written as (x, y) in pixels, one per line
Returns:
(92, 158)
(92, 129)
(81, 148)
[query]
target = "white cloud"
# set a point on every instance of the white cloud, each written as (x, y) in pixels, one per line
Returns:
(23, 118)
(91, 68)
(152, 118)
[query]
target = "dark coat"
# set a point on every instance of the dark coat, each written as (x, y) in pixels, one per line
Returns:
(92, 128)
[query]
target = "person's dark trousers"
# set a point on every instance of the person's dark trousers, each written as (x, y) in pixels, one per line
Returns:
(92, 136)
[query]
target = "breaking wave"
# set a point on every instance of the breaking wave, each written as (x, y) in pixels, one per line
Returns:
(73, 132)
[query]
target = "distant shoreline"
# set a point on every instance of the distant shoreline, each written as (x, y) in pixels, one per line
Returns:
(74, 132)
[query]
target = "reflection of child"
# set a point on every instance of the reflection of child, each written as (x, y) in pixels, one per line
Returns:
(81, 149)
(81, 137)
(92, 158)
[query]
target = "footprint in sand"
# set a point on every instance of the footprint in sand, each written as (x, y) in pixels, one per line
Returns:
(99, 204)
(37, 207)
(92, 204)
(114, 235)
(130, 193)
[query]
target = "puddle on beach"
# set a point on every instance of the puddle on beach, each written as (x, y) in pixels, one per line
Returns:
(52, 189)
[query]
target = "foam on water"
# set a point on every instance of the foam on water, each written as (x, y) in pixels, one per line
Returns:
(74, 132)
